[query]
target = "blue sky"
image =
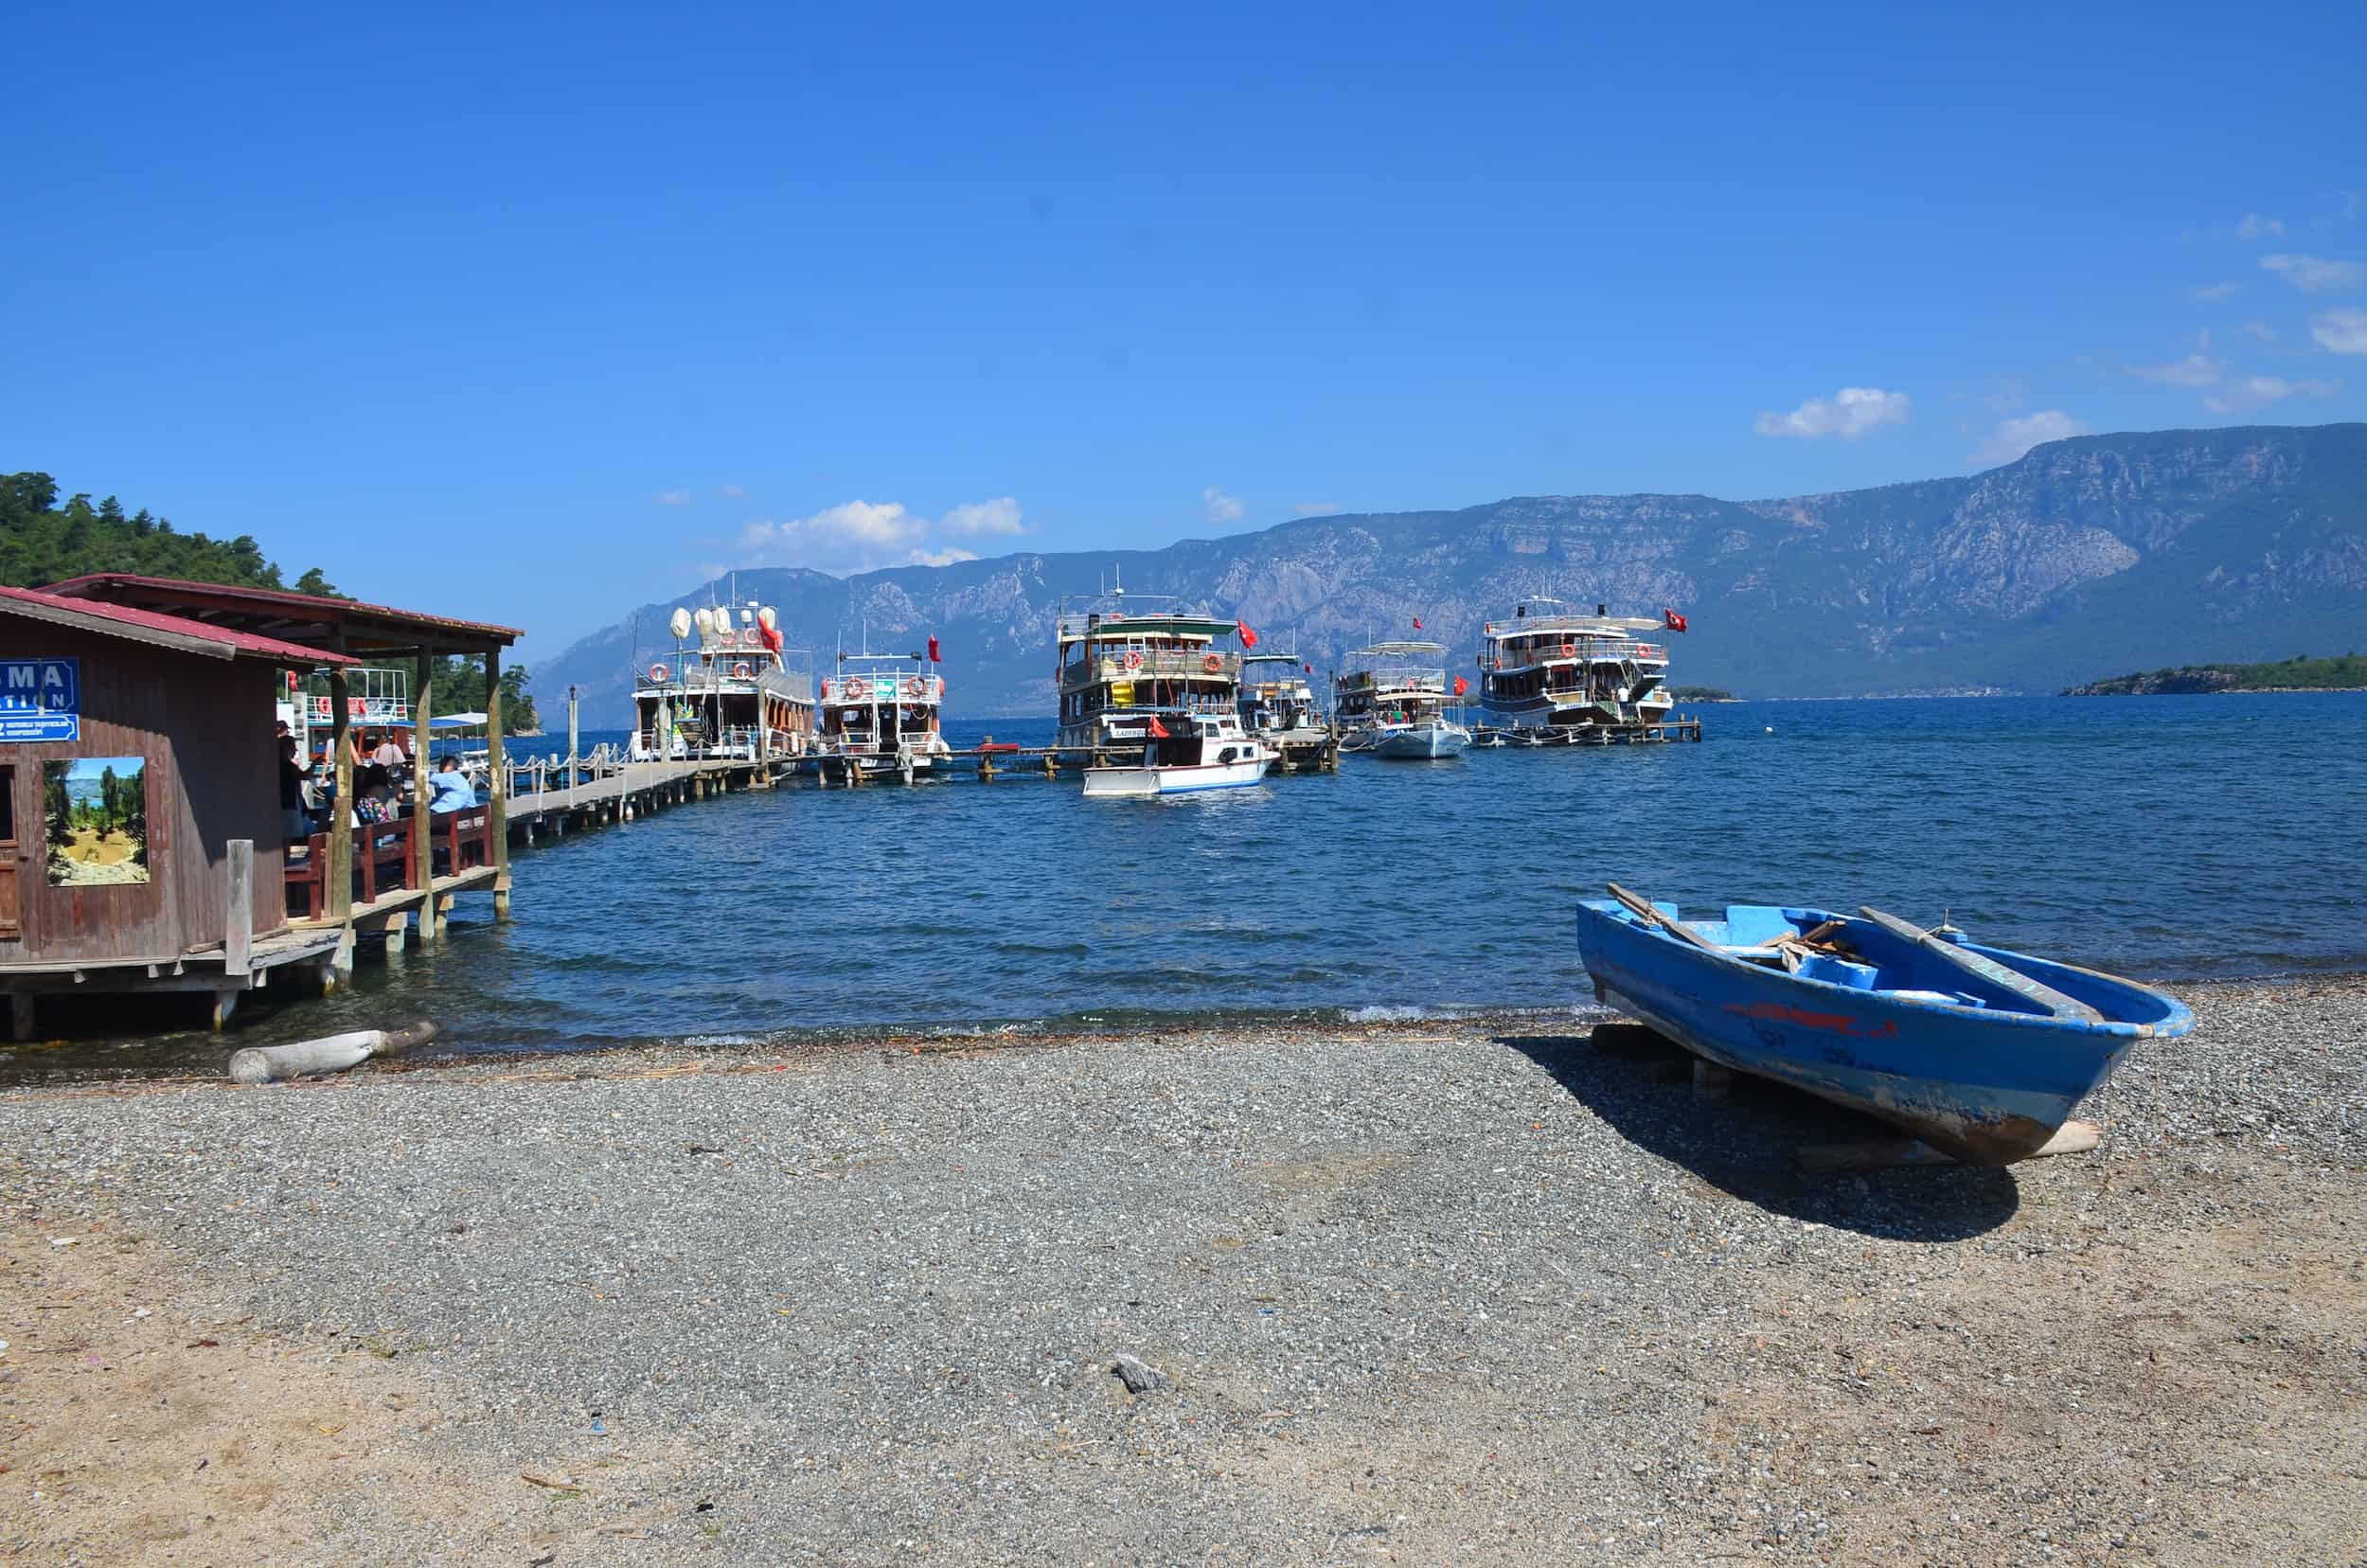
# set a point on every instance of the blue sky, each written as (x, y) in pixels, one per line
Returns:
(593, 300)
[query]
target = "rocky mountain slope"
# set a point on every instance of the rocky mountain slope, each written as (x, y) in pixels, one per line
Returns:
(2084, 558)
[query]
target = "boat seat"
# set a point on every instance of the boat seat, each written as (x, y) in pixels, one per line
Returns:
(1837, 972)
(1755, 925)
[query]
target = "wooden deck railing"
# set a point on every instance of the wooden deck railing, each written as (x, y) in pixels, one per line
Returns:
(382, 858)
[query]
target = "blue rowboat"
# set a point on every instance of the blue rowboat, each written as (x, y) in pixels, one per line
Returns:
(1980, 1052)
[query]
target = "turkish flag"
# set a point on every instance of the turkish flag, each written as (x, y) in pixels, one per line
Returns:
(1418, 623)
(934, 657)
(772, 636)
(1158, 730)
(1675, 621)
(1461, 685)
(1309, 669)
(1249, 638)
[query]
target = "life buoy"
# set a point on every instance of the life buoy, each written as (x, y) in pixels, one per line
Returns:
(741, 672)
(657, 674)
(1569, 651)
(750, 638)
(916, 686)
(857, 687)
(1134, 658)
(1211, 662)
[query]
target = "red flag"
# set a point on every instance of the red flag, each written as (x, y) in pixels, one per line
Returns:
(1158, 730)
(1418, 623)
(1675, 621)
(1249, 638)
(933, 656)
(1461, 685)
(1309, 669)
(772, 636)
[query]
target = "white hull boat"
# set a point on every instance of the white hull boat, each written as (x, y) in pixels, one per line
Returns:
(1215, 755)
(1431, 738)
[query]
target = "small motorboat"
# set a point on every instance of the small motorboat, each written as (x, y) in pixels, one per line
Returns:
(1215, 754)
(1425, 739)
(1980, 1052)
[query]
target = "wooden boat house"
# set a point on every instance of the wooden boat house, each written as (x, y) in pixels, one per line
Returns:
(141, 839)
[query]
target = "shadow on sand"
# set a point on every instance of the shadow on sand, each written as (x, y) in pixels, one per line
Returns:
(1747, 1143)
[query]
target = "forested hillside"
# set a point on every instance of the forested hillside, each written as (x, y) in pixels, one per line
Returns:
(42, 542)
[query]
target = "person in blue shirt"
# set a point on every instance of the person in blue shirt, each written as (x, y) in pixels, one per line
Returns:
(453, 791)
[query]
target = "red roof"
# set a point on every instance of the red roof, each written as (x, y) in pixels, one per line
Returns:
(166, 630)
(367, 624)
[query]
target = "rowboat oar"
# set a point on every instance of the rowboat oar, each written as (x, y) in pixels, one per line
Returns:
(1995, 974)
(1643, 910)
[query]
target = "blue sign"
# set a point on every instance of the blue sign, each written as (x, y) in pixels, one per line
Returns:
(41, 699)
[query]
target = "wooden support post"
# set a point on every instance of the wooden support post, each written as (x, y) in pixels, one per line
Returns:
(20, 1015)
(237, 932)
(339, 889)
(497, 789)
(422, 839)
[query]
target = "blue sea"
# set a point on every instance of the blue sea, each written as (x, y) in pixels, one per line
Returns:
(2167, 837)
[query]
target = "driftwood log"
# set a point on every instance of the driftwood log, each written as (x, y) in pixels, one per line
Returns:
(331, 1053)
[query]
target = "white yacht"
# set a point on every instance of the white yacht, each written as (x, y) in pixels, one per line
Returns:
(1202, 752)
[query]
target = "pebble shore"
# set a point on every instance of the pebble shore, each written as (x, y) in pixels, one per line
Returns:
(1466, 1290)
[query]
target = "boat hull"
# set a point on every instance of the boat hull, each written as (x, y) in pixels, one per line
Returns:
(1120, 782)
(1988, 1086)
(1422, 742)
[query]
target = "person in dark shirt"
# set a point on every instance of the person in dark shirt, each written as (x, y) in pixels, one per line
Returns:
(293, 823)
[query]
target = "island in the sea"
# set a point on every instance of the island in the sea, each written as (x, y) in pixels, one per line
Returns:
(2299, 673)
(1702, 694)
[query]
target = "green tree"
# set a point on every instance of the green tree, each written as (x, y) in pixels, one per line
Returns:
(42, 542)
(109, 807)
(58, 810)
(317, 584)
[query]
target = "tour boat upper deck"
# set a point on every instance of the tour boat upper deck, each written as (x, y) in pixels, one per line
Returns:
(880, 712)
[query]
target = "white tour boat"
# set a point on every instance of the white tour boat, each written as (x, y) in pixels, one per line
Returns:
(1128, 665)
(879, 715)
(734, 696)
(1549, 675)
(1206, 752)
(1393, 703)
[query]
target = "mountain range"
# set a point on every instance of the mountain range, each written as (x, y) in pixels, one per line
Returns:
(2083, 558)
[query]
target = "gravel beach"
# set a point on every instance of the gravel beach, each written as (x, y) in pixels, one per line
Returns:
(1476, 1290)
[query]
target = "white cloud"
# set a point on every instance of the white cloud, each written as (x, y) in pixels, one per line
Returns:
(2315, 274)
(2258, 391)
(998, 516)
(2211, 293)
(1315, 508)
(672, 498)
(2343, 331)
(2253, 227)
(1216, 507)
(2012, 437)
(731, 492)
(1848, 414)
(2259, 329)
(2194, 370)
(862, 536)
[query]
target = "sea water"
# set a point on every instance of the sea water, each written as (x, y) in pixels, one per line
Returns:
(2167, 837)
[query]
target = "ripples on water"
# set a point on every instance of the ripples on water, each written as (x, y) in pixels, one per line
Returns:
(2172, 837)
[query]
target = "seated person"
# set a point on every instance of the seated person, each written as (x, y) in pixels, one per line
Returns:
(453, 791)
(373, 796)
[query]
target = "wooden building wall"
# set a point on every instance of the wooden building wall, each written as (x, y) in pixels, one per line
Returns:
(205, 728)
